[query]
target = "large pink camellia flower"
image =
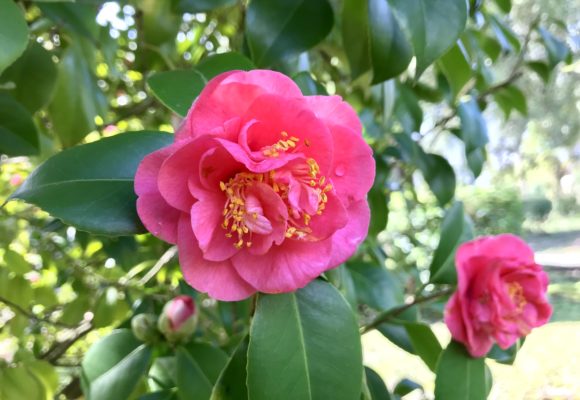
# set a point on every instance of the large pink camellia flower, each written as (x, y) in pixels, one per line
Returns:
(263, 189)
(501, 294)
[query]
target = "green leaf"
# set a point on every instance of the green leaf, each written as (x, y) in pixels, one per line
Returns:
(379, 210)
(73, 111)
(13, 33)
(473, 126)
(406, 386)
(511, 98)
(454, 231)
(557, 49)
(177, 89)
(197, 6)
(161, 395)
(216, 64)
(33, 77)
(231, 384)
(113, 366)
(504, 5)
(192, 383)
(432, 26)
(46, 374)
(278, 29)
(16, 263)
(162, 373)
(475, 160)
(377, 388)
(460, 377)
(20, 383)
(375, 285)
(75, 17)
(507, 356)
(425, 343)
(456, 69)
(91, 186)
(211, 360)
(18, 135)
(541, 68)
(355, 36)
(439, 176)
(308, 85)
(390, 50)
(506, 37)
(304, 345)
(407, 109)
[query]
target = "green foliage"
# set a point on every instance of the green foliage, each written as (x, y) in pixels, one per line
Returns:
(425, 76)
(537, 208)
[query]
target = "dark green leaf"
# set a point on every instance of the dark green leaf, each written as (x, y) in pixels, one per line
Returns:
(16, 263)
(18, 135)
(75, 17)
(406, 386)
(73, 111)
(460, 377)
(377, 388)
(507, 356)
(397, 334)
(407, 109)
(162, 395)
(192, 383)
(511, 98)
(355, 36)
(439, 175)
(504, 5)
(13, 33)
(308, 85)
(541, 68)
(456, 69)
(231, 384)
(162, 373)
(557, 49)
(390, 50)
(506, 37)
(425, 343)
(475, 160)
(210, 359)
(304, 345)
(177, 89)
(218, 63)
(454, 231)
(91, 186)
(433, 26)
(473, 126)
(375, 286)
(197, 6)
(278, 29)
(33, 77)
(379, 210)
(113, 366)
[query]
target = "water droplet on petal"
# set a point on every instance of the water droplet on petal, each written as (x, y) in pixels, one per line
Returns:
(340, 170)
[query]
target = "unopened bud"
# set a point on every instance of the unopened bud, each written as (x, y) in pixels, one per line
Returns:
(178, 319)
(145, 327)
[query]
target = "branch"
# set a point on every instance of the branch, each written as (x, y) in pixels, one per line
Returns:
(58, 349)
(164, 259)
(37, 318)
(395, 312)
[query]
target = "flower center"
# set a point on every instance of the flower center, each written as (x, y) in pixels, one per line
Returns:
(516, 293)
(301, 188)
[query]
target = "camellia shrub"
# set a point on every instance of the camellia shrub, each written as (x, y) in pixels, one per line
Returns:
(195, 196)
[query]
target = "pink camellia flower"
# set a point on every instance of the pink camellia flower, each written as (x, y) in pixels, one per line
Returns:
(178, 319)
(501, 294)
(263, 189)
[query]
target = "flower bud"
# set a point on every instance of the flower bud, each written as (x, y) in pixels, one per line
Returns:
(178, 319)
(145, 327)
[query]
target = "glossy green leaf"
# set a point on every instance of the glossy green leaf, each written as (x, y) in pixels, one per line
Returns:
(397, 334)
(390, 50)
(162, 373)
(177, 89)
(511, 98)
(377, 199)
(377, 388)
(475, 160)
(211, 360)
(439, 176)
(20, 383)
(75, 17)
(278, 29)
(159, 23)
(504, 5)
(33, 78)
(375, 285)
(505, 35)
(197, 6)
(73, 111)
(541, 68)
(46, 374)
(91, 186)
(18, 135)
(160, 395)
(355, 36)
(432, 26)
(304, 345)
(113, 366)
(456, 69)
(454, 231)
(192, 383)
(460, 377)
(473, 125)
(308, 85)
(216, 64)
(507, 356)
(425, 343)
(13, 33)
(557, 49)
(406, 386)
(231, 384)
(407, 109)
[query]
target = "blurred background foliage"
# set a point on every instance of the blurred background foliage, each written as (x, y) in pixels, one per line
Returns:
(490, 120)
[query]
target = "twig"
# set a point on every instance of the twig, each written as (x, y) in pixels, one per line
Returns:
(58, 349)
(32, 316)
(395, 312)
(164, 259)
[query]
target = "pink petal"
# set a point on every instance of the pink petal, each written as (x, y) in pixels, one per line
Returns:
(334, 217)
(334, 111)
(353, 172)
(284, 268)
(218, 279)
(346, 240)
(505, 246)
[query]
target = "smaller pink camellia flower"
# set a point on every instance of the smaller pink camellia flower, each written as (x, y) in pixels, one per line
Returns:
(178, 319)
(264, 188)
(501, 294)
(16, 180)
